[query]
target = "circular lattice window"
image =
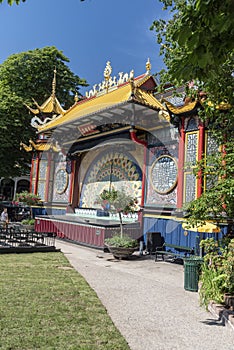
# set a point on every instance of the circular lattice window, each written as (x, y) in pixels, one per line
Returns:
(163, 174)
(61, 181)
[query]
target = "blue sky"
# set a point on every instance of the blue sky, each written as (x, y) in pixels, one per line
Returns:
(89, 33)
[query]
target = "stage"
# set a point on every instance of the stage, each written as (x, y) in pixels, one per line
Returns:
(89, 231)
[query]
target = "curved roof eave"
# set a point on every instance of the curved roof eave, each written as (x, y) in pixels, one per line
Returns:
(99, 104)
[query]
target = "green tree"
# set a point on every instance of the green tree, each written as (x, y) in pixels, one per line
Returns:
(11, 2)
(118, 201)
(197, 42)
(25, 76)
(197, 39)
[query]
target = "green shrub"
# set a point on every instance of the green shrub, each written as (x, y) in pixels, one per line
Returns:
(28, 221)
(122, 242)
(217, 275)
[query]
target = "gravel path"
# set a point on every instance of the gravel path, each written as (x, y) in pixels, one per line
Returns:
(147, 302)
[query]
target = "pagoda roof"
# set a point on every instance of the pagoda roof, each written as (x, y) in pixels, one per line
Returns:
(39, 146)
(191, 106)
(51, 105)
(138, 91)
(186, 108)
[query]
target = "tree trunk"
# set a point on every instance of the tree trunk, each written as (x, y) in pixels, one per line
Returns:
(121, 224)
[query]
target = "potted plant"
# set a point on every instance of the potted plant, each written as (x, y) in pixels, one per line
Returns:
(120, 245)
(28, 198)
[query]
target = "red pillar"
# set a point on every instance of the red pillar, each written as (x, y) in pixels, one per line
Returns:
(31, 173)
(37, 172)
(143, 143)
(72, 178)
(180, 182)
(49, 158)
(199, 157)
(74, 191)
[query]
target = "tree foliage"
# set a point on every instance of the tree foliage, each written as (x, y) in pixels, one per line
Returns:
(119, 201)
(217, 275)
(25, 76)
(197, 42)
(198, 37)
(11, 2)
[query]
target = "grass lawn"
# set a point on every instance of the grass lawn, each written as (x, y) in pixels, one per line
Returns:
(46, 304)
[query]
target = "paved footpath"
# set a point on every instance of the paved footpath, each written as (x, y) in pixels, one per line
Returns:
(147, 302)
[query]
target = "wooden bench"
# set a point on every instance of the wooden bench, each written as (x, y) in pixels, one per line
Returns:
(173, 251)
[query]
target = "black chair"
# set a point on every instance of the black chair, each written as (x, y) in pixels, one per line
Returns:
(154, 240)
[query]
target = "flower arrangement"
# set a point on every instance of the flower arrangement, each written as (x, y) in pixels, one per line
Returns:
(28, 198)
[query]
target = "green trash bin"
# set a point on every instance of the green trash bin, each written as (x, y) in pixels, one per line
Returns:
(192, 268)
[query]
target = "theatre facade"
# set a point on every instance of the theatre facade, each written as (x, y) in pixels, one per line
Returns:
(121, 135)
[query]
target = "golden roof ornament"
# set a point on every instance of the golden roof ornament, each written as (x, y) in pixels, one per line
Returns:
(107, 71)
(54, 82)
(111, 83)
(107, 74)
(131, 80)
(148, 66)
(50, 106)
(76, 98)
(40, 147)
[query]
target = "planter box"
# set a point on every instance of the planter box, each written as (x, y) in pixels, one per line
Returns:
(121, 253)
(28, 227)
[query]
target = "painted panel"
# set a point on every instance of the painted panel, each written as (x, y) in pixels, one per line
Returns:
(190, 187)
(61, 180)
(41, 189)
(211, 147)
(191, 145)
(42, 179)
(191, 153)
(161, 181)
(111, 169)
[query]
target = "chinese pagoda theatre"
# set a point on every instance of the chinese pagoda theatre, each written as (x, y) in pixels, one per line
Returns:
(120, 136)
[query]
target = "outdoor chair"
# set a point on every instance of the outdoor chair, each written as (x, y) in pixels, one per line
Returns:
(154, 240)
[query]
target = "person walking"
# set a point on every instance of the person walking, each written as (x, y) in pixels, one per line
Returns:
(4, 217)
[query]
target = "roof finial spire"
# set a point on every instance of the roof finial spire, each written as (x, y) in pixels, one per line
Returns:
(107, 74)
(131, 81)
(107, 71)
(148, 66)
(54, 82)
(76, 97)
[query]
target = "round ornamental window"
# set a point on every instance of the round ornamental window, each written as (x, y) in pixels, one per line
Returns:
(163, 174)
(61, 181)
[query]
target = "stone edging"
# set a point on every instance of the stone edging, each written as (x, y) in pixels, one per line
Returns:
(225, 316)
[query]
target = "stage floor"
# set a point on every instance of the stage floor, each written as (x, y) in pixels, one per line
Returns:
(95, 221)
